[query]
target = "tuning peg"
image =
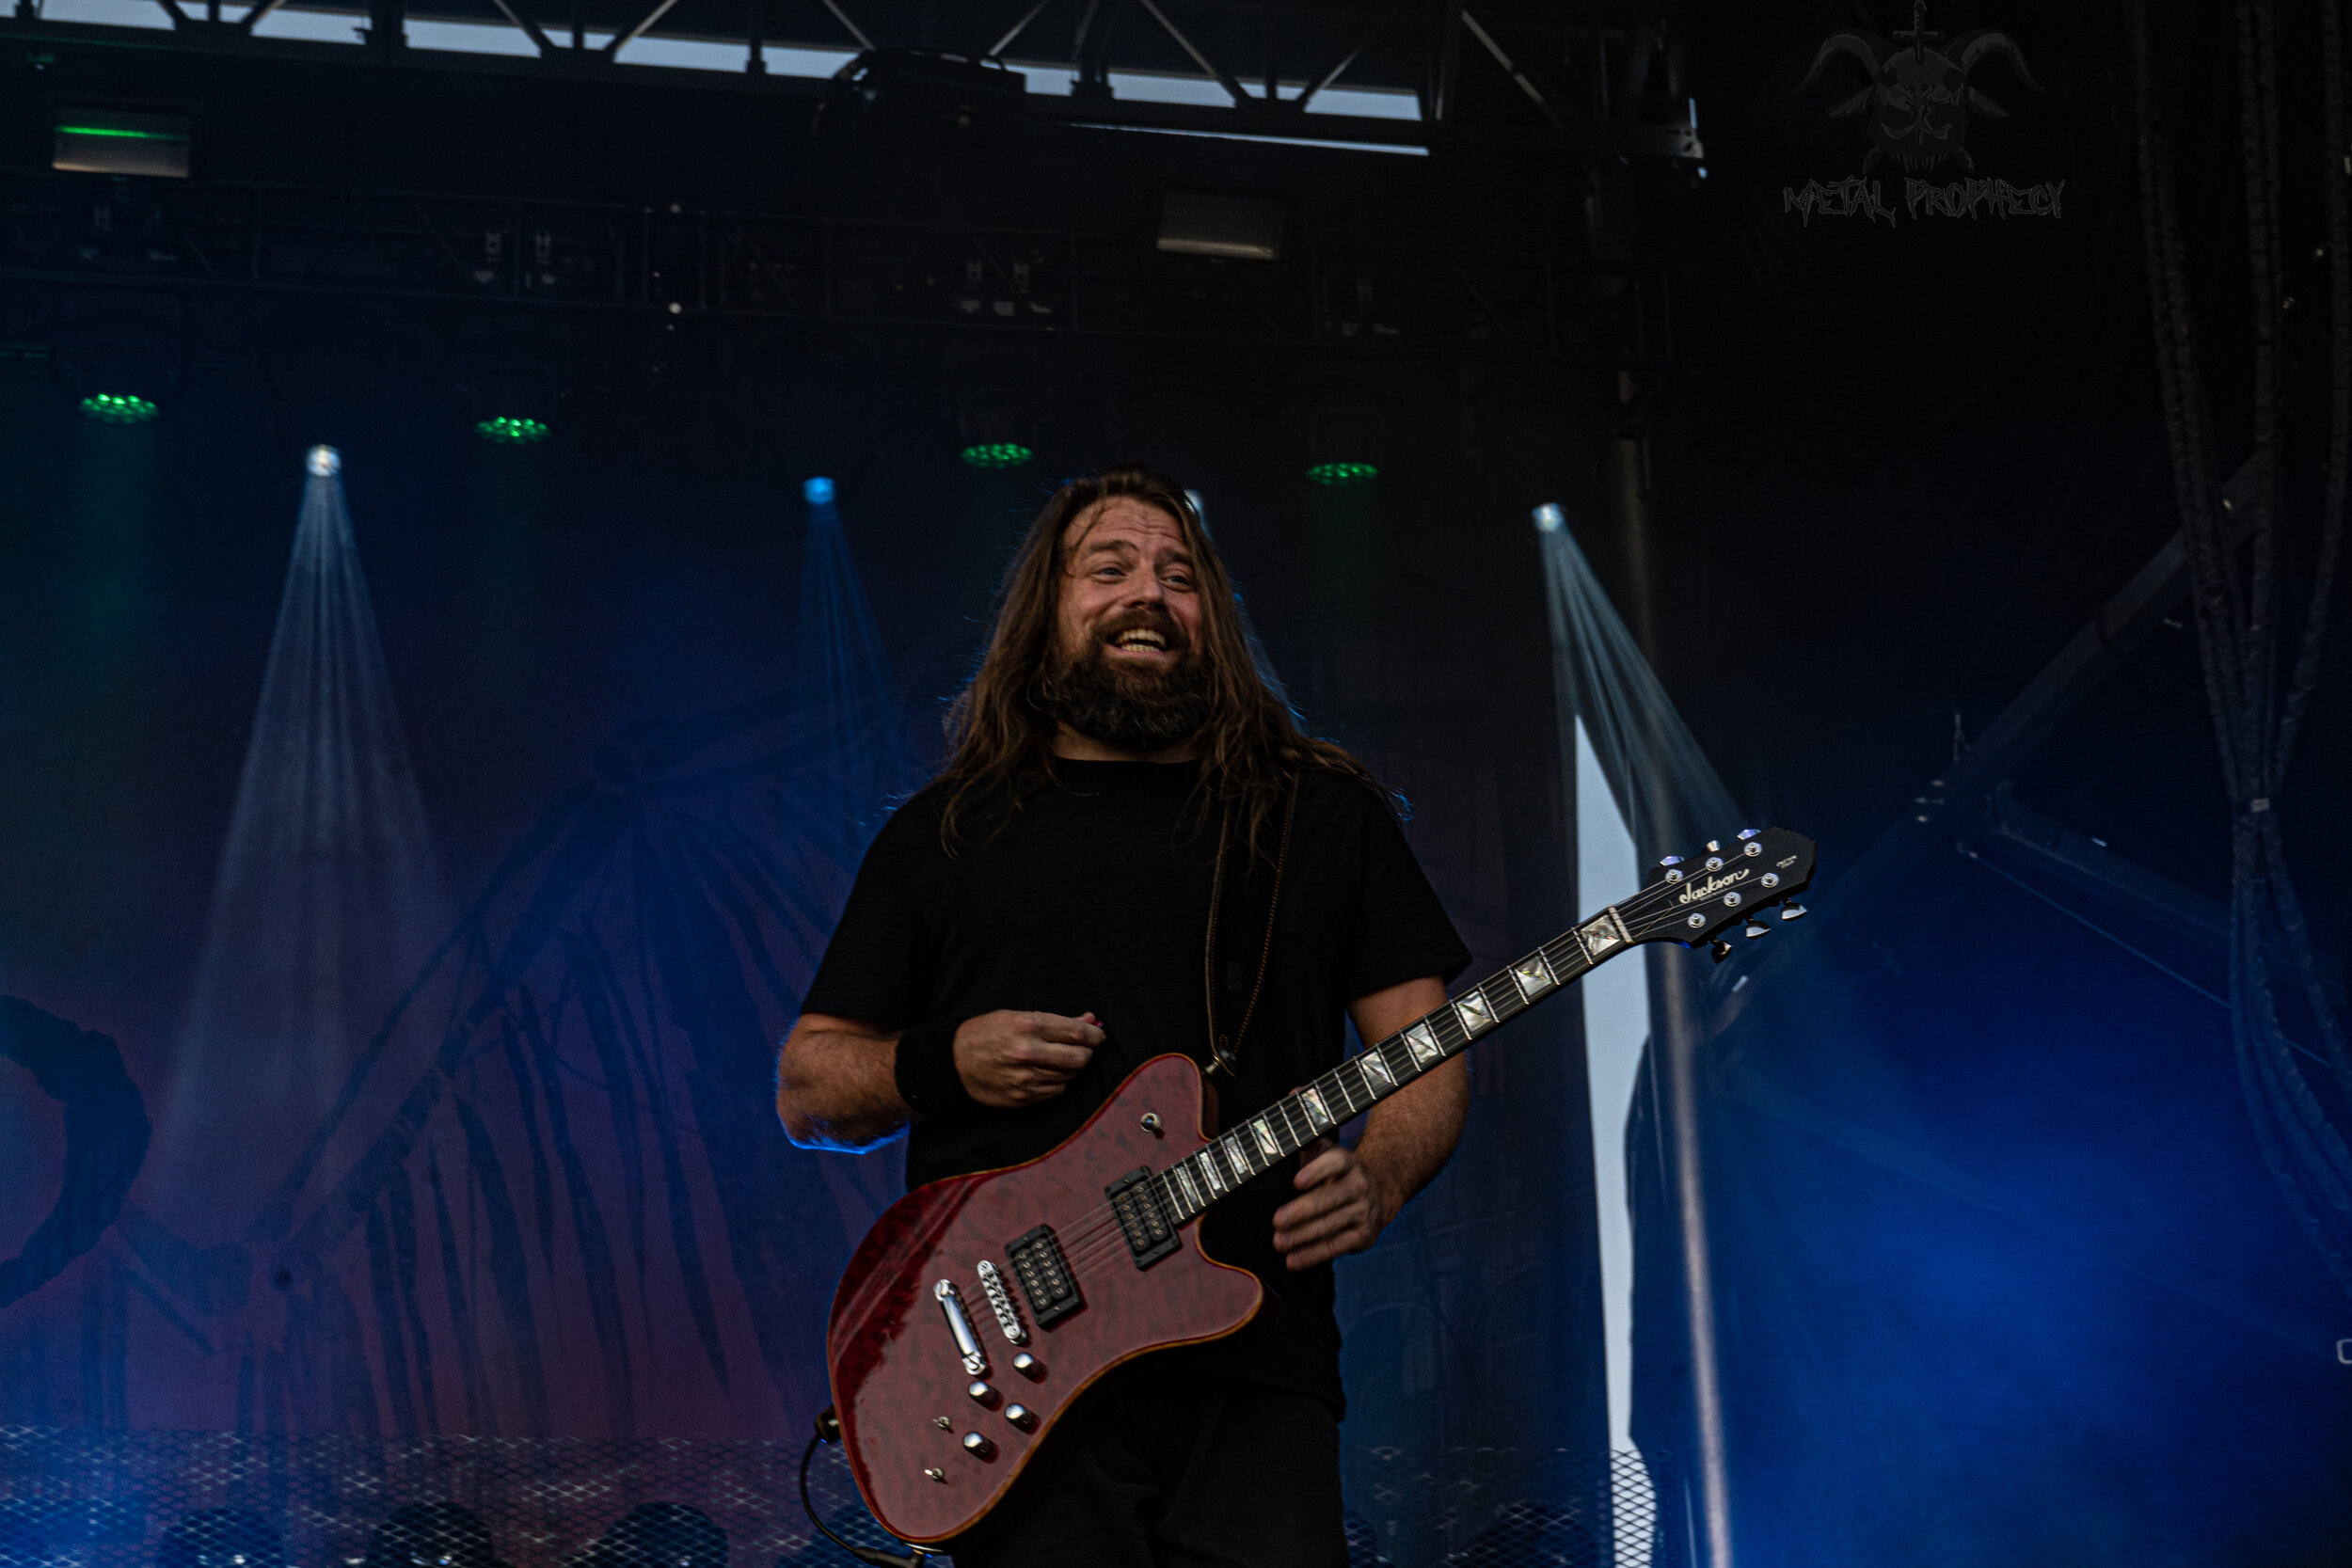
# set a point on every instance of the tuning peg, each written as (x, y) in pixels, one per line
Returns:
(1792, 912)
(1757, 928)
(1713, 848)
(1722, 950)
(1670, 861)
(1746, 834)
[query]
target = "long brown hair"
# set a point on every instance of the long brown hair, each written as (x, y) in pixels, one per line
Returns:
(1000, 740)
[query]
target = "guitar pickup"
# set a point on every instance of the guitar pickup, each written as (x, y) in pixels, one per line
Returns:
(1150, 1236)
(1045, 1276)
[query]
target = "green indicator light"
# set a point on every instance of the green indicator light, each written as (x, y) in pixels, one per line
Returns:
(1338, 475)
(997, 454)
(509, 431)
(112, 131)
(118, 408)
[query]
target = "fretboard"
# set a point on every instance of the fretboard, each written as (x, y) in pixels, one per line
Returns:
(1191, 1184)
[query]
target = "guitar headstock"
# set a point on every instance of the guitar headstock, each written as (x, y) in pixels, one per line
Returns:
(1734, 881)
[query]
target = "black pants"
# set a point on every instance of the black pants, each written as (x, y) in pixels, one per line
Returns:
(1161, 1465)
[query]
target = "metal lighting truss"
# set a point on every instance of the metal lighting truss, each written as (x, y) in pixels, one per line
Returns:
(682, 261)
(1495, 74)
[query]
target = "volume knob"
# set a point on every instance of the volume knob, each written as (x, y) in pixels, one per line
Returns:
(979, 1446)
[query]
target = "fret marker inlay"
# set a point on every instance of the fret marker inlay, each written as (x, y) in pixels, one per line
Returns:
(1371, 1062)
(1265, 1139)
(1316, 1115)
(1423, 1044)
(1472, 1008)
(1533, 974)
(1599, 937)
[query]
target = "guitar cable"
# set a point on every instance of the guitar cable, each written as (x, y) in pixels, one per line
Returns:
(829, 1431)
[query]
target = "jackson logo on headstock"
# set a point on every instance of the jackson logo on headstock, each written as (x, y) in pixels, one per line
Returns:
(1699, 893)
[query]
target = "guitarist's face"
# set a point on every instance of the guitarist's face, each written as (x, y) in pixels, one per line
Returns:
(1127, 669)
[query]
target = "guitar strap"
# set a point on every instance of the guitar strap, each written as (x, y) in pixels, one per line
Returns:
(1224, 1049)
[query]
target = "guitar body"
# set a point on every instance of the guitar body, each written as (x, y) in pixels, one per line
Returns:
(897, 1364)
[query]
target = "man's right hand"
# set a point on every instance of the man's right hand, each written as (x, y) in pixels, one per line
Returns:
(1009, 1059)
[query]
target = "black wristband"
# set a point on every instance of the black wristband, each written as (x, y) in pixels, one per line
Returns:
(924, 1069)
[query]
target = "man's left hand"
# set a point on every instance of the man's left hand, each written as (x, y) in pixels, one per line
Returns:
(1342, 1208)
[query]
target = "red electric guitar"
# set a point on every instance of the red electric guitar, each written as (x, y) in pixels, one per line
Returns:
(979, 1306)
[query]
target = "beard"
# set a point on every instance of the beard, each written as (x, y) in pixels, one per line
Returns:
(1133, 709)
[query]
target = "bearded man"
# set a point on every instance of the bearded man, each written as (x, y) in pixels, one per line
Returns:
(1133, 850)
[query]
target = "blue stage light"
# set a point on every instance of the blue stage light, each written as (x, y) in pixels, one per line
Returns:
(819, 492)
(1549, 518)
(325, 462)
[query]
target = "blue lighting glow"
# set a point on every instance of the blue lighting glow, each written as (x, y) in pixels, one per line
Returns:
(819, 492)
(1549, 518)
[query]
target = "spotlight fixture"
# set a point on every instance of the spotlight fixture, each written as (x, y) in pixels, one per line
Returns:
(118, 408)
(1342, 475)
(1549, 518)
(997, 454)
(509, 431)
(818, 492)
(324, 461)
(108, 141)
(1230, 227)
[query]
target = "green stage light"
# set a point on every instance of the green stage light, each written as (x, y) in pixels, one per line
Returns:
(997, 454)
(511, 432)
(1339, 475)
(118, 408)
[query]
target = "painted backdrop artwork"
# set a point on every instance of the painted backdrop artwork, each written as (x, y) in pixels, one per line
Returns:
(542, 1189)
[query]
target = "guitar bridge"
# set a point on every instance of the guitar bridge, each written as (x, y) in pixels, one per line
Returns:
(1045, 1276)
(1150, 1236)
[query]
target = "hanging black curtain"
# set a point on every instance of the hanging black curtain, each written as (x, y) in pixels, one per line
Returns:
(2297, 1093)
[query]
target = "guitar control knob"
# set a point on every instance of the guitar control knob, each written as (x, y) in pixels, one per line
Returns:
(1019, 1416)
(1031, 1368)
(982, 1394)
(979, 1446)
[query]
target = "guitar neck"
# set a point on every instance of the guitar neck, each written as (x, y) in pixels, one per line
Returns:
(1186, 1188)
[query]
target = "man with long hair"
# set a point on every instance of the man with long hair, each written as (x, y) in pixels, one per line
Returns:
(1134, 850)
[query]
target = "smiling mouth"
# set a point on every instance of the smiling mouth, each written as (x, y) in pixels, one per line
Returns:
(1139, 640)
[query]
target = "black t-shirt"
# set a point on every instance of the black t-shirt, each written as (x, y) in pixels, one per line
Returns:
(1094, 897)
